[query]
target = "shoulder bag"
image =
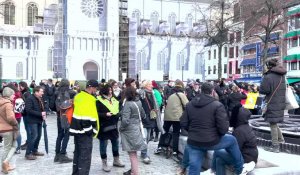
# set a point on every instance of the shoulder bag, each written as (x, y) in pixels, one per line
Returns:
(264, 107)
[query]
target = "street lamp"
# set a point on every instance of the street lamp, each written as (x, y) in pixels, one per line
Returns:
(182, 67)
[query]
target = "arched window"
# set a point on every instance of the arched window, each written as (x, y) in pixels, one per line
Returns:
(141, 60)
(32, 12)
(199, 63)
(172, 22)
(180, 61)
(136, 14)
(155, 21)
(189, 21)
(161, 61)
(19, 70)
(9, 13)
(50, 59)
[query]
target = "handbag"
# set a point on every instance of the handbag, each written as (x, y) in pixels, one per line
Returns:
(264, 107)
(290, 100)
(153, 112)
(141, 124)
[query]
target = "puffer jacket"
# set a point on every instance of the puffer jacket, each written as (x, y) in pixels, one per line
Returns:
(276, 106)
(8, 121)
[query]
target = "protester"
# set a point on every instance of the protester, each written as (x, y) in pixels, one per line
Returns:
(234, 99)
(194, 90)
(8, 128)
(159, 102)
(50, 95)
(206, 121)
(168, 90)
(36, 114)
(18, 116)
(108, 113)
(62, 93)
(117, 91)
(84, 126)
(223, 91)
(273, 86)
(131, 129)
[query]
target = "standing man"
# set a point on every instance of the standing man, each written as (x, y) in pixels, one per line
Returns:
(84, 126)
(168, 90)
(206, 121)
(273, 86)
(36, 114)
(50, 95)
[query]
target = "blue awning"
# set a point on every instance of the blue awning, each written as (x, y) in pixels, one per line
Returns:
(272, 50)
(248, 62)
(250, 79)
(249, 46)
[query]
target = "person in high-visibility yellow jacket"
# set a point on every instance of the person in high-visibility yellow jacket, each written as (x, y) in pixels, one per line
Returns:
(84, 126)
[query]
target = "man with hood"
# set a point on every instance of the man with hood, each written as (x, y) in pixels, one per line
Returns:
(63, 133)
(274, 87)
(207, 123)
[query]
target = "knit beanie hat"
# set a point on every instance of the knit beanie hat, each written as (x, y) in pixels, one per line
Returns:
(7, 92)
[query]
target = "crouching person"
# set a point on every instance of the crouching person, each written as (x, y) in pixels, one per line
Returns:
(207, 123)
(131, 129)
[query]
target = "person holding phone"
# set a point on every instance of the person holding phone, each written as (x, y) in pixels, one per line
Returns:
(108, 113)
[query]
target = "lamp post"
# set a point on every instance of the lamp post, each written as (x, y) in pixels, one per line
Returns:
(182, 67)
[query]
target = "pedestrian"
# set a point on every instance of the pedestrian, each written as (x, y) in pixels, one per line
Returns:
(131, 129)
(36, 114)
(18, 115)
(62, 93)
(50, 95)
(84, 126)
(8, 128)
(117, 91)
(273, 86)
(234, 98)
(207, 123)
(173, 112)
(193, 91)
(159, 102)
(223, 91)
(25, 94)
(108, 113)
(168, 90)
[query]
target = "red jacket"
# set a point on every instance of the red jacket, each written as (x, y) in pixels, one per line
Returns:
(17, 95)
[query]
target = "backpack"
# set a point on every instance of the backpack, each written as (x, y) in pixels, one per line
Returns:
(64, 105)
(19, 105)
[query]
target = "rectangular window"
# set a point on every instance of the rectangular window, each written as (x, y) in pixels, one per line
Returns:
(1, 42)
(236, 51)
(295, 42)
(237, 69)
(215, 69)
(209, 55)
(294, 66)
(225, 52)
(231, 38)
(230, 67)
(13, 42)
(6, 42)
(297, 22)
(209, 70)
(231, 52)
(238, 36)
(20, 41)
(225, 68)
(215, 54)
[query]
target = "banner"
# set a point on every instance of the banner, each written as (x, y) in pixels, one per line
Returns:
(251, 100)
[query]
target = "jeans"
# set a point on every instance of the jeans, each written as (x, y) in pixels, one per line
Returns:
(19, 138)
(82, 154)
(221, 158)
(147, 131)
(103, 146)
(175, 134)
(62, 139)
(276, 134)
(35, 133)
(185, 159)
(26, 127)
(227, 142)
(9, 145)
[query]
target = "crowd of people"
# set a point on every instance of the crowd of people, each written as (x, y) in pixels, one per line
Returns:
(131, 114)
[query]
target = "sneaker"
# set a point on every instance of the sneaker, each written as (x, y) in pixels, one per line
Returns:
(127, 172)
(64, 159)
(247, 167)
(146, 160)
(272, 148)
(30, 157)
(18, 151)
(57, 157)
(38, 154)
(158, 150)
(181, 171)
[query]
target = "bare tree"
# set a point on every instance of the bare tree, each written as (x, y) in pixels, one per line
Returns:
(216, 20)
(267, 18)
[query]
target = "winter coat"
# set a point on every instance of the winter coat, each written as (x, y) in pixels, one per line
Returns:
(149, 103)
(8, 121)
(167, 91)
(106, 121)
(234, 99)
(158, 97)
(17, 95)
(25, 95)
(270, 81)
(244, 134)
(130, 129)
(174, 108)
(222, 91)
(206, 121)
(191, 93)
(33, 110)
(50, 96)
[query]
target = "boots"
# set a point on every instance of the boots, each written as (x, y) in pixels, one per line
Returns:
(64, 159)
(105, 166)
(273, 148)
(24, 146)
(5, 167)
(117, 162)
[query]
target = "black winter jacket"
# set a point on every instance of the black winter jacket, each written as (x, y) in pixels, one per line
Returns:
(244, 134)
(234, 99)
(148, 103)
(33, 110)
(206, 121)
(270, 81)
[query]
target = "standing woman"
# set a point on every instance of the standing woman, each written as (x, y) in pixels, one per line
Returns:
(131, 129)
(8, 128)
(18, 115)
(108, 110)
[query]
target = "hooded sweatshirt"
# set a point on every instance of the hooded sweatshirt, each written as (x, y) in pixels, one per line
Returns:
(206, 121)
(8, 121)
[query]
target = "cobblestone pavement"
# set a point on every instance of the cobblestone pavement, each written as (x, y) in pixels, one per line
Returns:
(45, 165)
